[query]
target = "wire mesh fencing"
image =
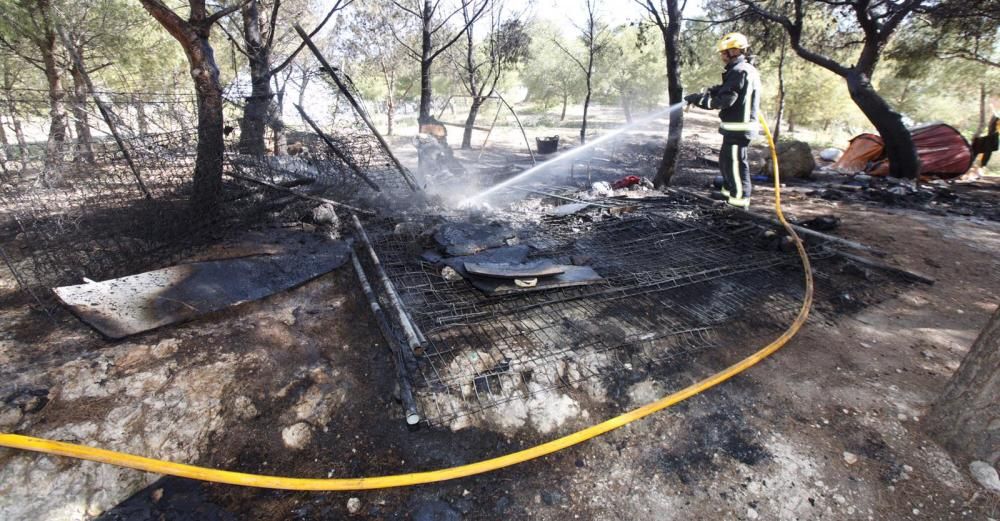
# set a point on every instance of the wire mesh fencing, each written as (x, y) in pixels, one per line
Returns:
(678, 278)
(91, 207)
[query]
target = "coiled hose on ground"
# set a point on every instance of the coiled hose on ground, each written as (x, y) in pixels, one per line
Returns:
(156, 466)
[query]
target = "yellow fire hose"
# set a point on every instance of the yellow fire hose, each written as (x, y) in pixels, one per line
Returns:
(350, 484)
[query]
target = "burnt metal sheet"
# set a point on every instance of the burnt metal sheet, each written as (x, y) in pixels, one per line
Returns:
(514, 270)
(507, 254)
(128, 305)
(468, 238)
(573, 276)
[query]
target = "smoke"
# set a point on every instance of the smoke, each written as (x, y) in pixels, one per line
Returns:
(481, 196)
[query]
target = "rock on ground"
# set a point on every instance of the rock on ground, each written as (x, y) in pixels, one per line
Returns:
(985, 475)
(795, 159)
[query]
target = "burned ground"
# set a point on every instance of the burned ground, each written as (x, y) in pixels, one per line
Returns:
(221, 391)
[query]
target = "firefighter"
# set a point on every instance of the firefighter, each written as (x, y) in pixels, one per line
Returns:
(738, 101)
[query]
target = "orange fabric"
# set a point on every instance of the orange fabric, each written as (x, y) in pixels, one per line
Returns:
(864, 149)
(942, 150)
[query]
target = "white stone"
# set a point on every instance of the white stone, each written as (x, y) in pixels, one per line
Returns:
(752, 514)
(985, 475)
(354, 505)
(850, 458)
(244, 407)
(297, 436)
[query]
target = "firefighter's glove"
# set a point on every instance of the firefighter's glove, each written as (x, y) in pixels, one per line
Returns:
(698, 99)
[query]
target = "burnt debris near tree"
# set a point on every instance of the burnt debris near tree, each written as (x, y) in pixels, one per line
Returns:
(674, 277)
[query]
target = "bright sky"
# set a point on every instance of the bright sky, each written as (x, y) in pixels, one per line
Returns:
(566, 13)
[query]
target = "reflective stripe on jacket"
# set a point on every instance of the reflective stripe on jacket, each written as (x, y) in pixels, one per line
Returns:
(737, 98)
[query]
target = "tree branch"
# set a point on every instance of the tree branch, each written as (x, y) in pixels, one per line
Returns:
(336, 7)
(233, 40)
(571, 56)
(459, 34)
(225, 11)
(407, 9)
(794, 30)
(273, 24)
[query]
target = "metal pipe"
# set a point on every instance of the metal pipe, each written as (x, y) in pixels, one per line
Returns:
(412, 339)
(357, 107)
(402, 374)
(243, 177)
(883, 266)
(802, 230)
(520, 126)
(336, 151)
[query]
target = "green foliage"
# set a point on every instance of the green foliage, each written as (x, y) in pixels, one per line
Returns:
(633, 71)
(549, 75)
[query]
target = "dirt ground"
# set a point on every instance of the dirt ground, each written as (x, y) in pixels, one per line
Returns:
(299, 384)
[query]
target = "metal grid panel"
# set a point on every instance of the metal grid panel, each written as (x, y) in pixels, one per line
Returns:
(676, 282)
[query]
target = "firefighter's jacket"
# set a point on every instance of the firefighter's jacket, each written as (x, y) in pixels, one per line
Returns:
(738, 99)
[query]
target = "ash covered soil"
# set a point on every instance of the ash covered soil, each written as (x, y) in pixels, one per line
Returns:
(299, 384)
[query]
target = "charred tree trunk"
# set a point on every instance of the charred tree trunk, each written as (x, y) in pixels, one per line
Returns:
(966, 419)
(565, 101)
(85, 141)
(258, 111)
(903, 161)
(470, 122)
(781, 94)
(670, 29)
(208, 162)
(586, 104)
(193, 36)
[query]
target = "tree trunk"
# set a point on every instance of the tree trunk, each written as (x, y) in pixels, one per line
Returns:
(4, 146)
(671, 45)
(390, 115)
(85, 141)
(966, 419)
(15, 124)
(57, 109)
(208, 161)
(903, 161)
(425, 65)
(586, 108)
(143, 120)
(627, 109)
(278, 125)
(258, 109)
(562, 117)
(983, 110)
(781, 95)
(471, 122)
(302, 90)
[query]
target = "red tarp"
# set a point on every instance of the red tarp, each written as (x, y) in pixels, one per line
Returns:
(942, 150)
